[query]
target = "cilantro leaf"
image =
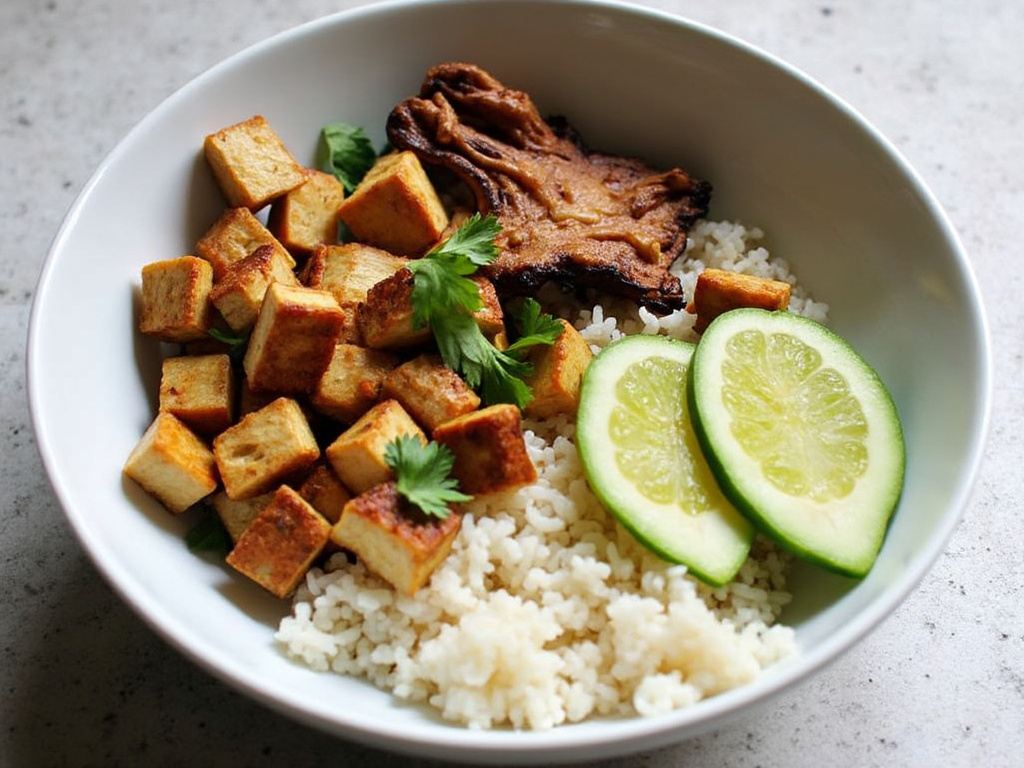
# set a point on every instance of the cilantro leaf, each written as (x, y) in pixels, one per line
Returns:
(471, 245)
(236, 342)
(208, 535)
(347, 152)
(422, 474)
(464, 348)
(536, 328)
(438, 289)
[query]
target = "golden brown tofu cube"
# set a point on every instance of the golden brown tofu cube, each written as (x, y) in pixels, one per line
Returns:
(175, 302)
(172, 464)
(199, 390)
(557, 374)
(351, 385)
(308, 215)
(357, 455)
(385, 319)
(281, 543)
(394, 539)
(238, 293)
(266, 447)
(236, 514)
(395, 207)
(348, 271)
(489, 449)
(293, 339)
(251, 163)
(325, 492)
(719, 290)
(235, 235)
(430, 391)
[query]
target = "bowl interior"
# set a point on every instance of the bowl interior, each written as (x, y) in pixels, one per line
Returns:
(835, 200)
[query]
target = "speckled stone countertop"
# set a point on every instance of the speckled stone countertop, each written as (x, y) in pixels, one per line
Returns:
(941, 683)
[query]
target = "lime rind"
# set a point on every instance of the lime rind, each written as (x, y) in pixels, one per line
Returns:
(801, 434)
(642, 459)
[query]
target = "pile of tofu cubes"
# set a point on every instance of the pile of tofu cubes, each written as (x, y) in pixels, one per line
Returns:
(287, 444)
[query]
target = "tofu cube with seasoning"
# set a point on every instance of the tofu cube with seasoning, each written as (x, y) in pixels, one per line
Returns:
(308, 215)
(324, 490)
(281, 543)
(557, 374)
(251, 163)
(173, 464)
(238, 293)
(200, 390)
(395, 207)
(719, 290)
(352, 383)
(385, 319)
(265, 448)
(431, 392)
(393, 539)
(175, 299)
(236, 514)
(293, 339)
(349, 271)
(235, 235)
(489, 449)
(357, 454)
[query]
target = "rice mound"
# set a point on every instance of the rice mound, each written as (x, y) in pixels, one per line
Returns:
(547, 611)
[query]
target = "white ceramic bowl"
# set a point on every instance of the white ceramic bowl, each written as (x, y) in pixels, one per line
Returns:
(835, 198)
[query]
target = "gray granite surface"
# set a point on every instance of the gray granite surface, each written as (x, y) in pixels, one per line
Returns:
(941, 683)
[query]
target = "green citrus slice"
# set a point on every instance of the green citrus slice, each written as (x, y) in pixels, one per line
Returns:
(642, 459)
(801, 434)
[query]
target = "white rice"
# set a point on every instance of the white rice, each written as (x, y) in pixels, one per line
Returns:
(547, 611)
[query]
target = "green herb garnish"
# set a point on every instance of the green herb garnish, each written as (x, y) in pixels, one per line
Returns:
(422, 474)
(535, 328)
(209, 535)
(347, 152)
(444, 298)
(236, 342)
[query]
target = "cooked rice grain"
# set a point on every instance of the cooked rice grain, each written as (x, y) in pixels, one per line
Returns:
(547, 611)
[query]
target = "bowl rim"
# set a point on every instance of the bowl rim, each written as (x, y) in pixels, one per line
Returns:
(562, 743)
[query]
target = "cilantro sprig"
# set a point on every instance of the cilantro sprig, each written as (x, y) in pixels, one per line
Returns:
(347, 152)
(423, 474)
(444, 298)
(236, 342)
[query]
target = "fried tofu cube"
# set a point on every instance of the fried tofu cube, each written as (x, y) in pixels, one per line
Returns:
(719, 290)
(325, 492)
(430, 391)
(308, 215)
(172, 464)
(357, 455)
(235, 235)
(238, 293)
(557, 374)
(395, 207)
(199, 390)
(348, 271)
(393, 539)
(293, 339)
(265, 448)
(236, 514)
(281, 543)
(175, 301)
(385, 319)
(351, 385)
(251, 163)
(489, 449)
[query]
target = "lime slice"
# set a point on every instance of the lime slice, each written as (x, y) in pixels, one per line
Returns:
(801, 434)
(642, 460)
